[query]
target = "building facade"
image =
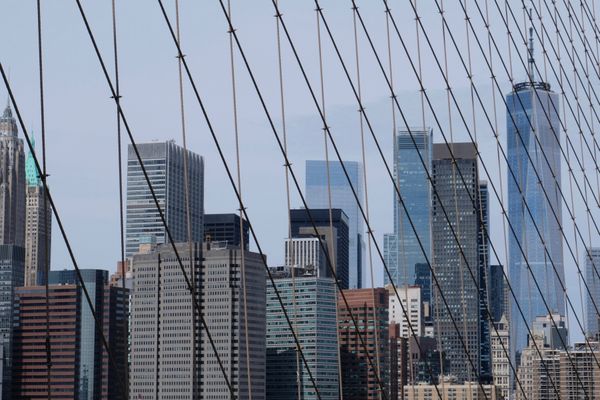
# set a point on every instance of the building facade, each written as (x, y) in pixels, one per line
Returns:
(499, 303)
(592, 297)
(164, 163)
(411, 302)
(310, 303)
(318, 174)
(533, 145)
(12, 182)
(455, 266)
(333, 229)
(452, 391)
(412, 165)
(226, 228)
(361, 378)
(501, 371)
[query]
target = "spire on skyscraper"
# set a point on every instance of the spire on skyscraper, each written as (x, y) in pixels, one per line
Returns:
(8, 124)
(530, 59)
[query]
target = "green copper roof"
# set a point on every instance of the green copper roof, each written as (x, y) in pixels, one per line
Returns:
(31, 171)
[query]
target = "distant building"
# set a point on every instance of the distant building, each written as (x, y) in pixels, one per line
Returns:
(301, 224)
(411, 300)
(310, 302)
(307, 253)
(79, 361)
(12, 266)
(12, 182)
(499, 303)
(38, 227)
(412, 228)
(226, 228)
(423, 280)
(592, 298)
(501, 371)
(369, 307)
(539, 371)
(553, 329)
(164, 163)
(580, 372)
(317, 196)
(451, 390)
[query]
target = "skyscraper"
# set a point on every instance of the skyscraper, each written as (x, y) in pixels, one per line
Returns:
(317, 196)
(401, 248)
(499, 303)
(38, 228)
(12, 182)
(451, 265)
(533, 133)
(226, 228)
(164, 163)
(592, 298)
(310, 302)
(337, 246)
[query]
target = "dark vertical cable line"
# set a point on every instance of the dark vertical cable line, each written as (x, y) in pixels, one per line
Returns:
(124, 267)
(188, 283)
(97, 324)
(44, 176)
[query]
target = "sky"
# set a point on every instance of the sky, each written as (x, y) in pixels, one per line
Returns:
(81, 121)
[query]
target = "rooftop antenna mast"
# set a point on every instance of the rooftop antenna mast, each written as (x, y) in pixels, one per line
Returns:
(530, 59)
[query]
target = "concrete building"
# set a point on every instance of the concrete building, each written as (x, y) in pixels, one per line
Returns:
(38, 227)
(412, 164)
(320, 178)
(164, 163)
(80, 366)
(452, 391)
(336, 236)
(411, 300)
(310, 302)
(539, 376)
(226, 228)
(501, 371)
(592, 298)
(171, 356)
(369, 307)
(12, 182)
(12, 266)
(453, 267)
(580, 375)
(553, 329)
(307, 253)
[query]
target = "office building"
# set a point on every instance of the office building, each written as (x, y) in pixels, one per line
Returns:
(410, 302)
(310, 302)
(334, 232)
(500, 342)
(483, 245)
(580, 372)
(539, 371)
(171, 355)
(164, 163)
(360, 378)
(452, 390)
(38, 226)
(592, 297)
(533, 145)
(423, 280)
(307, 253)
(323, 179)
(412, 165)
(12, 266)
(80, 365)
(499, 293)
(12, 182)
(553, 328)
(226, 228)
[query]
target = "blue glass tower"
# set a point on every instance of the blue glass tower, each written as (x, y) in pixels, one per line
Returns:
(532, 138)
(401, 248)
(317, 196)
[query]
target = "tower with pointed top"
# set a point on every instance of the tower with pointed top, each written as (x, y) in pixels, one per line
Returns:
(12, 182)
(38, 225)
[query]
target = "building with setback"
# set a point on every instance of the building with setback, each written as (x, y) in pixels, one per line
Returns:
(412, 166)
(323, 179)
(164, 163)
(38, 226)
(361, 378)
(310, 302)
(226, 228)
(333, 229)
(534, 204)
(456, 211)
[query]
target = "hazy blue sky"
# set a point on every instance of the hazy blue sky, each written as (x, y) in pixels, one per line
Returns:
(80, 115)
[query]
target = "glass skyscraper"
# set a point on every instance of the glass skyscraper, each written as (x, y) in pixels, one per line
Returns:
(164, 163)
(401, 248)
(592, 298)
(532, 139)
(341, 197)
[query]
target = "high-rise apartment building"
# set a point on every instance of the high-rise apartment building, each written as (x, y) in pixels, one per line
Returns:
(500, 342)
(80, 365)
(412, 164)
(12, 265)
(410, 302)
(539, 371)
(451, 262)
(333, 231)
(580, 372)
(171, 355)
(535, 242)
(362, 379)
(12, 182)
(38, 226)
(592, 297)
(310, 302)
(226, 228)
(164, 163)
(324, 179)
